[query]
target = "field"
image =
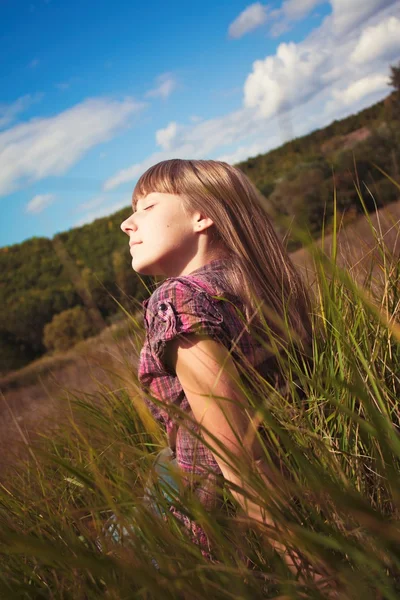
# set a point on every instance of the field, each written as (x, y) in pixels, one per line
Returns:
(35, 398)
(77, 420)
(359, 248)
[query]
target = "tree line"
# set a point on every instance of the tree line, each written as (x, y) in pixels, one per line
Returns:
(56, 291)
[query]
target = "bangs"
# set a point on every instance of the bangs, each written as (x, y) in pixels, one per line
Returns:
(165, 177)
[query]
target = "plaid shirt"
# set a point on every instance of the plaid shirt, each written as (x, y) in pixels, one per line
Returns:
(194, 304)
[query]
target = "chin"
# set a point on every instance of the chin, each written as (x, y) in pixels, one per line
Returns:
(142, 269)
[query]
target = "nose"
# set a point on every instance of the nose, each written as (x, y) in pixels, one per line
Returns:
(128, 225)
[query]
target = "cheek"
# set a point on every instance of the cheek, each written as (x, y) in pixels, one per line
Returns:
(169, 226)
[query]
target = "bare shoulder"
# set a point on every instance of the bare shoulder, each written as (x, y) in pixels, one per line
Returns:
(196, 356)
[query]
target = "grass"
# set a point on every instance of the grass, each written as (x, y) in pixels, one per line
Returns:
(339, 506)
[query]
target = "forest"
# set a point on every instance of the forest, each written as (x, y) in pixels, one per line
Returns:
(56, 291)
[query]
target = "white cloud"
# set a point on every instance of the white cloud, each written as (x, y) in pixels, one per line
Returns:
(346, 15)
(123, 176)
(360, 89)
(9, 112)
(301, 87)
(34, 63)
(290, 11)
(50, 146)
(165, 137)
(297, 9)
(91, 204)
(102, 207)
(166, 84)
(39, 203)
(286, 78)
(243, 152)
(319, 66)
(252, 17)
(196, 141)
(379, 41)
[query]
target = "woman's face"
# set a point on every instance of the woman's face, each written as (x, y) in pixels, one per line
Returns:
(162, 236)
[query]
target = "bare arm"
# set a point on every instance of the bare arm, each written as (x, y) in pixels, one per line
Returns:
(210, 381)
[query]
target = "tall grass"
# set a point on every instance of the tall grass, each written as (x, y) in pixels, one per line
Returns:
(338, 508)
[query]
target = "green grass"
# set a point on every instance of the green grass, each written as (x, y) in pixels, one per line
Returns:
(340, 503)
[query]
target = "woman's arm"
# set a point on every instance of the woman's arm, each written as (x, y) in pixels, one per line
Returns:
(211, 384)
(210, 380)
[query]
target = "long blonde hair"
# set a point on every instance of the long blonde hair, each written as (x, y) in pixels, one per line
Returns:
(259, 268)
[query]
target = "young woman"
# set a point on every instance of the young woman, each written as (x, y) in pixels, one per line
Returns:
(202, 225)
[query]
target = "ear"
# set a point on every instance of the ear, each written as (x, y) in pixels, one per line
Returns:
(201, 222)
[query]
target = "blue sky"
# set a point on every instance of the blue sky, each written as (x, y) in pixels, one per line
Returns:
(93, 93)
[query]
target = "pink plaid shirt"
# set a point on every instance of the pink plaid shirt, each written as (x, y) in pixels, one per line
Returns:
(193, 304)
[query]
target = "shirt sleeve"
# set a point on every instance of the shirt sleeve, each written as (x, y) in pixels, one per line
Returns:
(178, 308)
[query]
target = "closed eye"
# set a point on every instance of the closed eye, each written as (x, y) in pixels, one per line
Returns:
(143, 209)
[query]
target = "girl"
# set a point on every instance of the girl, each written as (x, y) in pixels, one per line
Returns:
(201, 224)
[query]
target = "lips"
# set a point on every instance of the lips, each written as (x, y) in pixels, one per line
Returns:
(133, 244)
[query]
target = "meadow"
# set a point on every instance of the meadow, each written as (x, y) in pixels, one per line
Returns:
(91, 454)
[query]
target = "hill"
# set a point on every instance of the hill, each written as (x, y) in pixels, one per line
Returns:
(89, 266)
(36, 397)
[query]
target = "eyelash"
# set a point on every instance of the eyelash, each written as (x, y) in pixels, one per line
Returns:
(147, 208)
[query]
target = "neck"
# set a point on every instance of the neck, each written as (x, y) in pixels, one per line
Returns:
(199, 262)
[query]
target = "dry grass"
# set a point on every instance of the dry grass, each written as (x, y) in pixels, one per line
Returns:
(337, 508)
(35, 398)
(358, 249)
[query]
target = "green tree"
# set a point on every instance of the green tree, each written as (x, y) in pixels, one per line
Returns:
(392, 103)
(68, 328)
(395, 78)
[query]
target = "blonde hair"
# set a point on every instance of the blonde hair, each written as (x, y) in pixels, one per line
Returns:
(259, 268)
